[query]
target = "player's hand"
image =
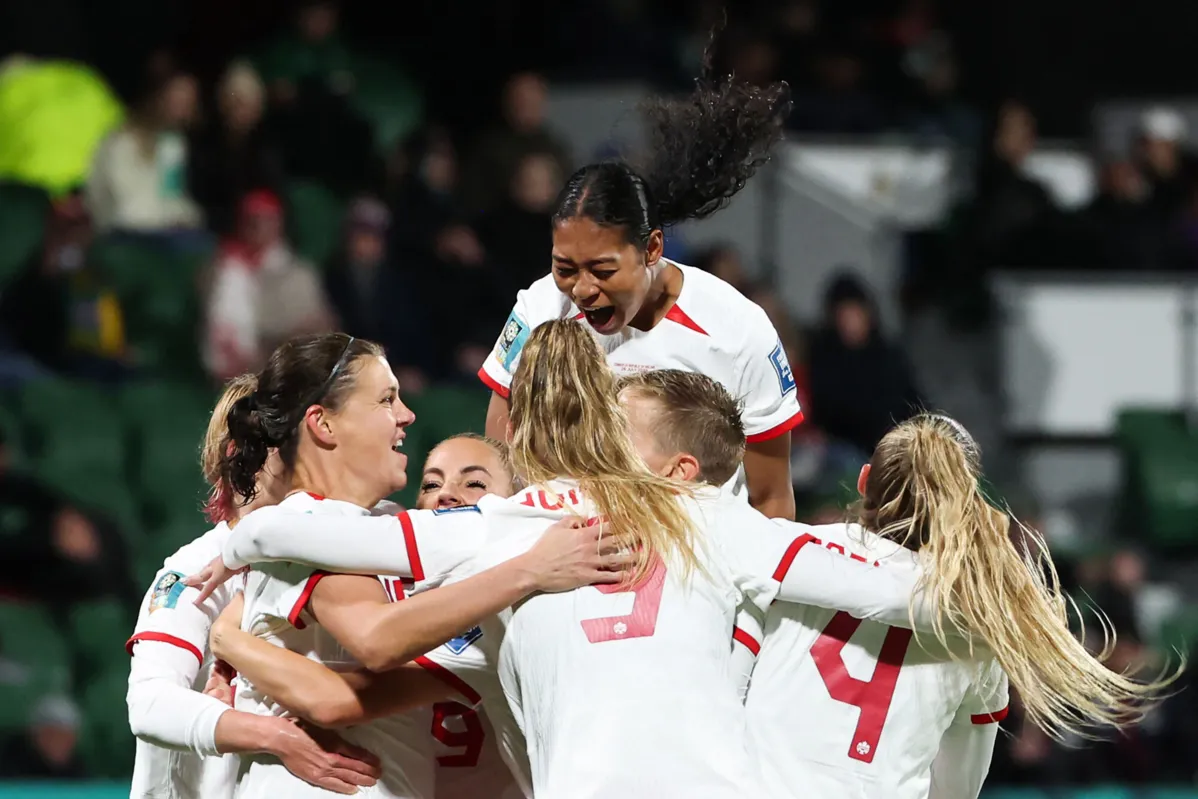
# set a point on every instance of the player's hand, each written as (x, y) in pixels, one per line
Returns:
(573, 553)
(220, 682)
(323, 758)
(226, 626)
(210, 578)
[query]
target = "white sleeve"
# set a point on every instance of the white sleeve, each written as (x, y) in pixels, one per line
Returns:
(164, 710)
(533, 306)
(419, 544)
(809, 574)
(967, 746)
(168, 648)
(463, 664)
(767, 385)
(747, 635)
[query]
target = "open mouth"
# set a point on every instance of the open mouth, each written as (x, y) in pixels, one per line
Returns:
(600, 318)
(397, 446)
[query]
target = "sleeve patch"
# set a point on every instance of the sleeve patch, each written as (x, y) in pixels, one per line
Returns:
(511, 341)
(786, 379)
(462, 642)
(458, 509)
(167, 591)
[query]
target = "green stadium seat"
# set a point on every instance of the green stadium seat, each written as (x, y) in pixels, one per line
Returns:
(23, 212)
(99, 629)
(36, 661)
(1160, 493)
(72, 431)
(442, 412)
(1180, 631)
(314, 220)
(106, 745)
(388, 100)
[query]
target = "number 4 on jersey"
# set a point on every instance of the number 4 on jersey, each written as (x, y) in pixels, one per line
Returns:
(873, 696)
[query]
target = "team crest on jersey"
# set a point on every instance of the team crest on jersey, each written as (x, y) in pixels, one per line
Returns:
(786, 378)
(511, 341)
(167, 591)
(462, 642)
(458, 509)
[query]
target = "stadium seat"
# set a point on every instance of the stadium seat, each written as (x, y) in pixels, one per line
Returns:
(314, 219)
(444, 411)
(106, 745)
(23, 212)
(72, 431)
(98, 631)
(388, 100)
(35, 659)
(1160, 459)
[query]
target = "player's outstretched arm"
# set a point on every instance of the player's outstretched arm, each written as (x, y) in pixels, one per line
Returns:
(569, 555)
(810, 574)
(313, 691)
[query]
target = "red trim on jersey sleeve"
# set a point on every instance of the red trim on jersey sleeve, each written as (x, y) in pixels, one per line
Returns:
(777, 430)
(676, 314)
(316, 497)
(749, 642)
(792, 551)
(164, 638)
(990, 718)
(305, 596)
(578, 317)
(492, 383)
(409, 537)
(449, 678)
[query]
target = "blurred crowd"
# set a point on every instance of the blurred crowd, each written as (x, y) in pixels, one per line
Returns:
(309, 209)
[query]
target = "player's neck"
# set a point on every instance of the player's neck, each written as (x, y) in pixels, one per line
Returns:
(326, 480)
(663, 293)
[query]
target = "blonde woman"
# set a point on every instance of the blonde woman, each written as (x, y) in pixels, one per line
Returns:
(907, 717)
(648, 648)
(186, 739)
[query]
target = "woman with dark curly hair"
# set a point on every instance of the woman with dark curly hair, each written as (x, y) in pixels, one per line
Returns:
(648, 312)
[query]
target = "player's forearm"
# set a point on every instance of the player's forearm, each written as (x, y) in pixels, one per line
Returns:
(302, 686)
(350, 545)
(404, 630)
(961, 765)
(173, 716)
(497, 417)
(774, 505)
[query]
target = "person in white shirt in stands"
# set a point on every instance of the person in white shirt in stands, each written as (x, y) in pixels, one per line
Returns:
(458, 472)
(188, 741)
(329, 404)
(648, 312)
(908, 717)
(698, 553)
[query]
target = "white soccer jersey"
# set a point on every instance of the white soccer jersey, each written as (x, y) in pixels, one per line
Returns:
(276, 599)
(884, 704)
(170, 667)
(712, 329)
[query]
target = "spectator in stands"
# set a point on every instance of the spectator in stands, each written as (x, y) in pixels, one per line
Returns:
(499, 152)
(1124, 228)
(309, 73)
(518, 233)
(261, 292)
(48, 543)
(48, 749)
(1167, 166)
(234, 154)
(373, 300)
(723, 261)
(861, 384)
(839, 101)
(138, 182)
(936, 108)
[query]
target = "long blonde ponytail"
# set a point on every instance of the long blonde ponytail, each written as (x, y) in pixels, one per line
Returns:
(567, 423)
(923, 492)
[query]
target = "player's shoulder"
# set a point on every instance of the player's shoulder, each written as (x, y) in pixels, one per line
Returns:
(724, 313)
(194, 556)
(541, 302)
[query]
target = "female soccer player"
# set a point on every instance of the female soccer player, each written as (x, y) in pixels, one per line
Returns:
(458, 472)
(695, 559)
(924, 723)
(648, 312)
(329, 404)
(186, 739)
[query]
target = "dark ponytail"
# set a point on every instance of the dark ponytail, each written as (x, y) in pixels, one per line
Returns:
(702, 149)
(250, 447)
(305, 371)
